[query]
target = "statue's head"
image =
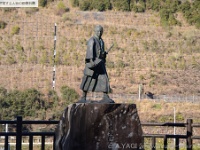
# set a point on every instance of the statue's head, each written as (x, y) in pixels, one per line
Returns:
(98, 30)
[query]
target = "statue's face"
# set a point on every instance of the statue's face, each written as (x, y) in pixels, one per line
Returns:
(99, 32)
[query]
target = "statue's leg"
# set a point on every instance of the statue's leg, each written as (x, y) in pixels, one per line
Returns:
(105, 95)
(106, 98)
(83, 98)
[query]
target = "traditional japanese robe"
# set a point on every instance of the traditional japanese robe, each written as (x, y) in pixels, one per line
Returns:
(95, 76)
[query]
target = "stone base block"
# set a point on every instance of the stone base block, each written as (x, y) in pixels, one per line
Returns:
(93, 126)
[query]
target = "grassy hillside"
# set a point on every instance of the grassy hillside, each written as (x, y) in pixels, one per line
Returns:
(164, 59)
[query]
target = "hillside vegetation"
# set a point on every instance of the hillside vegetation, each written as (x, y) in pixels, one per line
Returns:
(33, 105)
(166, 8)
(156, 43)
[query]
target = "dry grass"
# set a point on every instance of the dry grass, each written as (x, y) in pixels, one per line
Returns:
(144, 52)
(151, 111)
(156, 110)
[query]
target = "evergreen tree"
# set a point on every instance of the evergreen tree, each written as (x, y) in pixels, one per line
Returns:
(123, 5)
(101, 5)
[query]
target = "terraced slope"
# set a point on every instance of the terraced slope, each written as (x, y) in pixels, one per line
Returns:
(165, 60)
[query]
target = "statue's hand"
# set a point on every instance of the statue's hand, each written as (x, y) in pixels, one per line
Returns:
(103, 55)
(92, 64)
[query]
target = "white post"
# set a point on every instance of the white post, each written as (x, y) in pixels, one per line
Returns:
(193, 98)
(54, 56)
(6, 127)
(174, 126)
(139, 92)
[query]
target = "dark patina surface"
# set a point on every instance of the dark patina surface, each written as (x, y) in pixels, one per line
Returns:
(93, 126)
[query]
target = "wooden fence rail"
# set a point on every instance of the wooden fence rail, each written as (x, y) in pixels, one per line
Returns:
(19, 134)
(188, 136)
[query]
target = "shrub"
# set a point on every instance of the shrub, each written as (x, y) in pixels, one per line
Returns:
(74, 3)
(195, 14)
(2, 24)
(123, 5)
(172, 5)
(120, 64)
(167, 18)
(157, 106)
(138, 6)
(11, 60)
(172, 20)
(31, 10)
(101, 5)
(33, 59)
(145, 45)
(190, 12)
(61, 8)
(42, 3)
(66, 60)
(69, 94)
(155, 47)
(8, 45)
(19, 47)
(8, 9)
(179, 117)
(3, 92)
(22, 58)
(140, 9)
(2, 52)
(15, 30)
(66, 17)
(153, 4)
(32, 101)
(165, 118)
(52, 96)
(61, 5)
(110, 64)
(141, 77)
(44, 58)
(197, 24)
(85, 5)
(24, 103)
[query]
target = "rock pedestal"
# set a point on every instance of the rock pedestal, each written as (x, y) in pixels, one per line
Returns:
(93, 126)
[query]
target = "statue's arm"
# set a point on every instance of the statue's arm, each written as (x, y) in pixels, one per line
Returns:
(91, 60)
(93, 63)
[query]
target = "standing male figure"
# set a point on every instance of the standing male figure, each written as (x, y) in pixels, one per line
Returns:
(95, 77)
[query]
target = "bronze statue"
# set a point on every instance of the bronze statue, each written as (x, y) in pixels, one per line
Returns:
(95, 77)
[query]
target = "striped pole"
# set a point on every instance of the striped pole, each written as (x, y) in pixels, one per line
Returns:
(54, 61)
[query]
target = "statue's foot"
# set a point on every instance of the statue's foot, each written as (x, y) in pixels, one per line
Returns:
(82, 100)
(106, 100)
